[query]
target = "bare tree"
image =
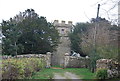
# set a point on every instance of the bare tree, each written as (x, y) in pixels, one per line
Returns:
(109, 10)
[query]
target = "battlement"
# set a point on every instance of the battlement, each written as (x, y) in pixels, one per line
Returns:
(62, 23)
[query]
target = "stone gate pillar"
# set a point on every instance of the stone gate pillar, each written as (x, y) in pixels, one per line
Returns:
(66, 60)
(48, 59)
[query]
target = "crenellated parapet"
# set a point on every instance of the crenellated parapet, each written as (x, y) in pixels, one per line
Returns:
(62, 23)
(63, 28)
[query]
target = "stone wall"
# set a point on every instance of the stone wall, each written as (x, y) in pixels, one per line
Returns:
(46, 57)
(111, 66)
(76, 62)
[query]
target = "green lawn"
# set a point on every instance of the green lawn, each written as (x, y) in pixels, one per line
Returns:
(83, 73)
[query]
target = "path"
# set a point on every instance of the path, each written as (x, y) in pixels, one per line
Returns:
(66, 75)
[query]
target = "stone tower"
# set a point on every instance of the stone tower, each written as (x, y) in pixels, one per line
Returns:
(64, 46)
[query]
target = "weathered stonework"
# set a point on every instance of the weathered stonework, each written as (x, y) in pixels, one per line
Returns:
(48, 60)
(67, 58)
(76, 62)
(111, 66)
(64, 46)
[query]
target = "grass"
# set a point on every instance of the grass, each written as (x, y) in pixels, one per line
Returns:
(57, 66)
(46, 73)
(83, 73)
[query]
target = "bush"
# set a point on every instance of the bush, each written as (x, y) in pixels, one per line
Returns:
(101, 74)
(21, 68)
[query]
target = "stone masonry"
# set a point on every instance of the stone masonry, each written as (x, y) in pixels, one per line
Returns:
(64, 46)
(111, 66)
(76, 62)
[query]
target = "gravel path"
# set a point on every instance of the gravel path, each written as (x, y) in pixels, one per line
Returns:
(66, 75)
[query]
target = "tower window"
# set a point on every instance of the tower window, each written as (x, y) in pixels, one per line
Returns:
(62, 29)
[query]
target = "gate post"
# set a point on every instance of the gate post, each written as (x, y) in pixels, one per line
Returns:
(48, 59)
(66, 59)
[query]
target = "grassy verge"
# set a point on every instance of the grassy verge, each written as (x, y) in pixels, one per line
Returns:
(83, 73)
(46, 73)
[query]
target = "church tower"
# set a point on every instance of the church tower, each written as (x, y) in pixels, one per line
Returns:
(64, 46)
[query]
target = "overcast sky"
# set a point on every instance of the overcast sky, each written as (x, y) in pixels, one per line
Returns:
(68, 10)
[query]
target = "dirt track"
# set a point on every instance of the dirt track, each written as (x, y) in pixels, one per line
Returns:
(66, 75)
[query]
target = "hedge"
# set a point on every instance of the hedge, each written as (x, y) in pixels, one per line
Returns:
(21, 68)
